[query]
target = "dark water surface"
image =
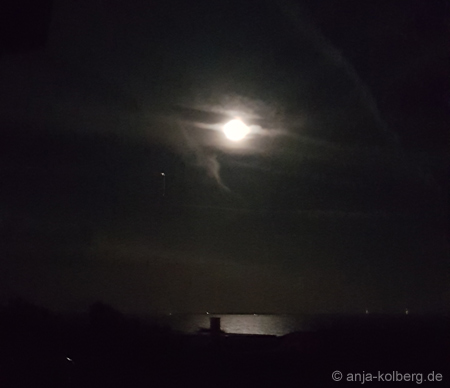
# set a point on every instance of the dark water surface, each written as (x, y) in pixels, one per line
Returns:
(281, 324)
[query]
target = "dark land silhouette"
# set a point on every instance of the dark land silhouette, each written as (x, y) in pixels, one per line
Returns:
(104, 347)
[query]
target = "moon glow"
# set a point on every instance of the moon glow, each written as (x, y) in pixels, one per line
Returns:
(235, 130)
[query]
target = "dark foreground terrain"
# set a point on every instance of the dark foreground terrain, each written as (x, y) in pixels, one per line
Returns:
(40, 349)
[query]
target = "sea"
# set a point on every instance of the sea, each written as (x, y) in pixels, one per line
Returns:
(267, 324)
(282, 324)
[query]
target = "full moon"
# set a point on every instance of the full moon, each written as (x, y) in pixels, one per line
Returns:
(236, 130)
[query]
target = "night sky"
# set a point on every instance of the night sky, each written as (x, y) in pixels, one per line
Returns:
(336, 202)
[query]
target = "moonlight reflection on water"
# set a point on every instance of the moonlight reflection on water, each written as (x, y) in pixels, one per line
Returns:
(239, 323)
